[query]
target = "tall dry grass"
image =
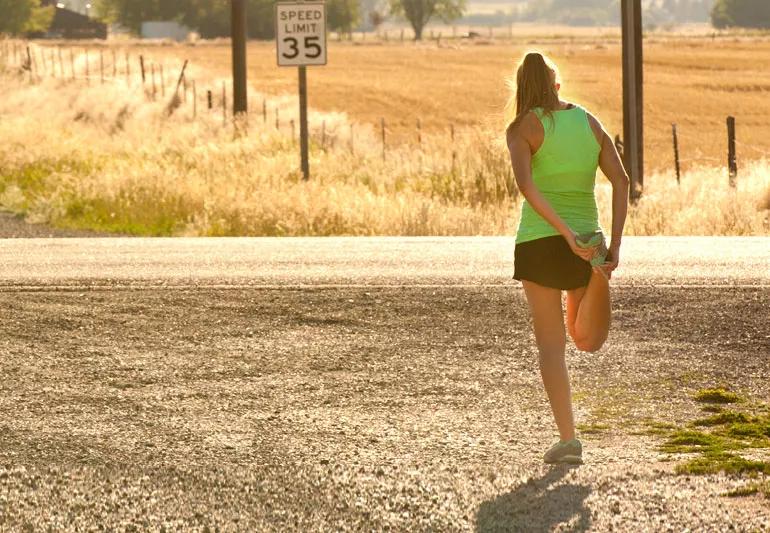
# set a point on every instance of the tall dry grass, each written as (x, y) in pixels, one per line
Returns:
(110, 157)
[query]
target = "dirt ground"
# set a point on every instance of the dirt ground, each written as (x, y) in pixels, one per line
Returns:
(13, 226)
(401, 408)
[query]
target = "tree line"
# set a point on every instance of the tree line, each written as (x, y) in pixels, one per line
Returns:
(24, 16)
(211, 18)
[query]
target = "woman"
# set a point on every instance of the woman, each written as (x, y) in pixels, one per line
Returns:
(556, 148)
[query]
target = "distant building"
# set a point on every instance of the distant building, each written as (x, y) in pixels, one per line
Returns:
(83, 7)
(366, 8)
(68, 24)
(164, 30)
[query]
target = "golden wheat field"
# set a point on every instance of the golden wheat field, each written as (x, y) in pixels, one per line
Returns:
(694, 82)
(109, 152)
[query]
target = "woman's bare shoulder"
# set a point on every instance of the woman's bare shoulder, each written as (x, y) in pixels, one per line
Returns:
(596, 125)
(526, 127)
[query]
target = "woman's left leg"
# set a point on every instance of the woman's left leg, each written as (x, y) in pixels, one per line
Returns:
(589, 312)
(548, 324)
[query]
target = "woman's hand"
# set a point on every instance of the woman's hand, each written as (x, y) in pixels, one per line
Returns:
(584, 253)
(611, 261)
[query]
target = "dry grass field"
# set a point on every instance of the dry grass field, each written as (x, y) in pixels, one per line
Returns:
(118, 156)
(695, 82)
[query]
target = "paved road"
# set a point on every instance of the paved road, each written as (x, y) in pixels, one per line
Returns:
(261, 401)
(68, 262)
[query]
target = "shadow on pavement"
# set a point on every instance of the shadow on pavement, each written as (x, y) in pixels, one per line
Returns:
(534, 506)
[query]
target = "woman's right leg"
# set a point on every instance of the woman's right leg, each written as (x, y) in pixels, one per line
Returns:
(589, 314)
(548, 320)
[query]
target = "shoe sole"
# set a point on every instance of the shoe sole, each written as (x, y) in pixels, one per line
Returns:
(567, 459)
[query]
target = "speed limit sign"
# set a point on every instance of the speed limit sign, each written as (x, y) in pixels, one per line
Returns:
(300, 33)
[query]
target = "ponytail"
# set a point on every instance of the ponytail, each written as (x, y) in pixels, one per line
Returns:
(534, 87)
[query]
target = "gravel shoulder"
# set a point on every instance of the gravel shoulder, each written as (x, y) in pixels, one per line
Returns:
(13, 226)
(350, 408)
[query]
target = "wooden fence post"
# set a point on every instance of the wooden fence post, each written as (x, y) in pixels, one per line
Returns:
(676, 151)
(323, 135)
(264, 111)
(732, 163)
(195, 100)
(224, 102)
(101, 66)
(141, 65)
(88, 68)
(382, 129)
(454, 152)
(419, 133)
(181, 79)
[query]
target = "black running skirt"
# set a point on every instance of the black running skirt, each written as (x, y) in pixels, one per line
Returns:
(549, 261)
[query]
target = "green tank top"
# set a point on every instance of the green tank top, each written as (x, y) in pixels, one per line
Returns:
(564, 171)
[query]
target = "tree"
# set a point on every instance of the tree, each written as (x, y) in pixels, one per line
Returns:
(131, 13)
(376, 18)
(419, 12)
(210, 18)
(21, 16)
(741, 13)
(342, 15)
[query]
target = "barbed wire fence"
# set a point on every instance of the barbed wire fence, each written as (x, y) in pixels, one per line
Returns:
(110, 65)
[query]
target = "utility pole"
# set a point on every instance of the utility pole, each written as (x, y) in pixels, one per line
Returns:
(238, 24)
(633, 110)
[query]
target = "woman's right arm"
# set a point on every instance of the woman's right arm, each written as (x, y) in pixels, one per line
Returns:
(520, 147)
(612, 167)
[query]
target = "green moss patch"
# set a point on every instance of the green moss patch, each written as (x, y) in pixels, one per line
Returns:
(724, 417)
(716, 439)
(713, 461)
(716, 396)
(748, 490)
(653, 427)
(593, 428)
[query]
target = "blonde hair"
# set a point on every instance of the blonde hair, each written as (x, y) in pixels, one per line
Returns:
(533, 86)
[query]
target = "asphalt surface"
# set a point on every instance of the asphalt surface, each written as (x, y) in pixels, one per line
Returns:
(660, 261)
(359, 384)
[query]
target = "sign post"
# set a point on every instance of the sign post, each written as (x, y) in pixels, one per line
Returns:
(300, 41)
(633, 110)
